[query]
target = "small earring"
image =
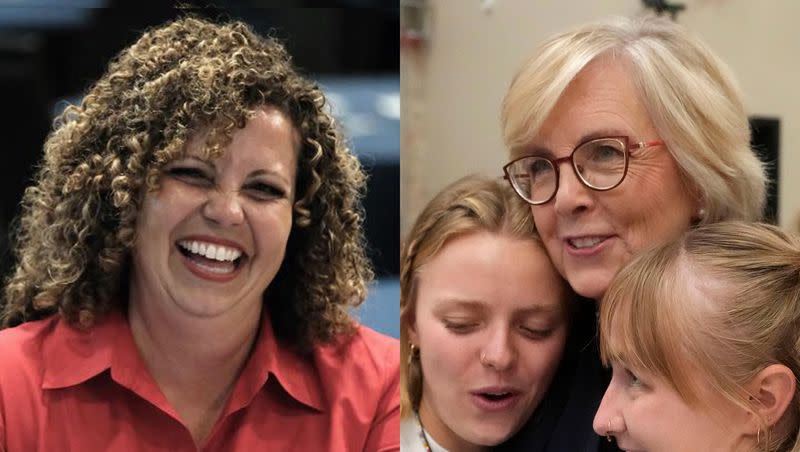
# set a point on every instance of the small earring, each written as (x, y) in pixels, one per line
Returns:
(701, 213)
(758, 436)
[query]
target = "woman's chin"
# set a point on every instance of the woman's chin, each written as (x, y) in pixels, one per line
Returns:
(490, 436)
(589, 285)
(491, 439)
(203, 307)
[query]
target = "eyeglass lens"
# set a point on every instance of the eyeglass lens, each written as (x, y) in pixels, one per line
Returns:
(600, 164)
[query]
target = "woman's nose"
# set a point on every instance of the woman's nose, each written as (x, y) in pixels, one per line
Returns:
(499, 353)
(572, 196)
(607, 421)
(223, 208)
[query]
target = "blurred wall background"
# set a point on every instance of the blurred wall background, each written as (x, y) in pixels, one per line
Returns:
(454, 78)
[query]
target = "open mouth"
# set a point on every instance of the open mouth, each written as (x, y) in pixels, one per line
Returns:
(496, 400)
(495, 397)
(585, 242)
(211, 259)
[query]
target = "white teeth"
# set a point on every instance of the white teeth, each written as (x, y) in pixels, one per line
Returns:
(222, 253)
(216, 252)
(586, 242)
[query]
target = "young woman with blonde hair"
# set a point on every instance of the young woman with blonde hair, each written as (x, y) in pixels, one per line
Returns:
(484, 319)
(703, 336)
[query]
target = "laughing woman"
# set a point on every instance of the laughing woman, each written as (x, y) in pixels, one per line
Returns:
(187, 258)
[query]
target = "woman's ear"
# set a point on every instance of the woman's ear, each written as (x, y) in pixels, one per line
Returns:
(412, 334)
(699, 209)
(772, 390)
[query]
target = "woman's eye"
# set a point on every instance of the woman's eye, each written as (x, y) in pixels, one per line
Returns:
(604, 153)
(265, 191)
(539, 168)
(633, 379)
(536, 333)
(192, 176)
(460, 327)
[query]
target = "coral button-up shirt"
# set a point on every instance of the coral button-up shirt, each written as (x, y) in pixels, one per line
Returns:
(62, 389)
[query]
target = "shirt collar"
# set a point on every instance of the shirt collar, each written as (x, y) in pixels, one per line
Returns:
(293, 371)
(73, 356)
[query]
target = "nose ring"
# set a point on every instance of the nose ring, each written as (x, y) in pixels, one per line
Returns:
(483, 358)
(608, 431)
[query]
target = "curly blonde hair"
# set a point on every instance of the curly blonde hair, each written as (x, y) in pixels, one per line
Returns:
(78, 221)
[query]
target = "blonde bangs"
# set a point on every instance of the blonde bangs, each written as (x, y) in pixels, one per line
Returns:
(537, 87)
(532, 95)
(636, 298)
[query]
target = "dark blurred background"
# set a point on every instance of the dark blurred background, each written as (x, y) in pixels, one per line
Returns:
(53, 50)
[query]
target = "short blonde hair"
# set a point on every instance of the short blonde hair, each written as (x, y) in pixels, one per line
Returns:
(735, 313)
(473, 203)
(690, 95)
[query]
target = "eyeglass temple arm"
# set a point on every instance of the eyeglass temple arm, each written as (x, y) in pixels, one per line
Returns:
(646, 144)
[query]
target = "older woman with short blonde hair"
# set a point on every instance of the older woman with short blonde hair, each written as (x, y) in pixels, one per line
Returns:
(622, 135)
(690, 94)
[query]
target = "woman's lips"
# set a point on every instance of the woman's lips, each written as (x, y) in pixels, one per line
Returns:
(586, 246)
(210, 269)
(495, 400)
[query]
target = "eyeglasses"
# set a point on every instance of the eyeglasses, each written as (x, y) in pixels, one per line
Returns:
(600, 164)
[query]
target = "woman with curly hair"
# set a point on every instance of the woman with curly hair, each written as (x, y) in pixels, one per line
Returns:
(187, 259)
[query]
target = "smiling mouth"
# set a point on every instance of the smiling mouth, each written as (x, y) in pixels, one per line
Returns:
(585, 242)
(214, 259)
